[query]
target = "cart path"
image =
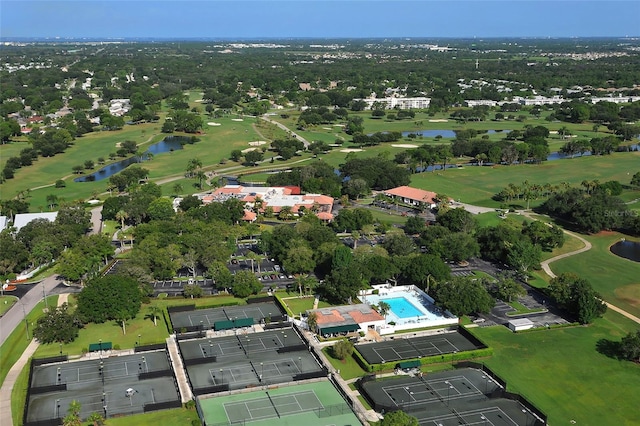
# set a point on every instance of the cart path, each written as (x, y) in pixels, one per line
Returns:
(14, 372)
(587, 247)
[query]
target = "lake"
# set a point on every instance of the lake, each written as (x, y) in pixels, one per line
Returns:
(627, 249)
(168, 144)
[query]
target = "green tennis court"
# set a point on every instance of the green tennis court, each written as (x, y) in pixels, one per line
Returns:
(310, 404)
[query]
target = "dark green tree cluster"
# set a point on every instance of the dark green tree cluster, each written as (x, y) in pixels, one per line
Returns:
(398, 418)
(577, 296)
(377, 138)
(463, 296)
(287, 148)
(378, 172)
(590, 211)
(58, 325)
(315, 178)
(630, 346)
(112, 297)
(128, 177)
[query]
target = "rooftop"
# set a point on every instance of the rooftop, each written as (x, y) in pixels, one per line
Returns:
(347, 314)
(412, 194)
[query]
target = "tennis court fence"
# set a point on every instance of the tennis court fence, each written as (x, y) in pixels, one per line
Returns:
(333, 410)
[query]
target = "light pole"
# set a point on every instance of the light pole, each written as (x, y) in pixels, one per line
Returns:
(104, 402)
(100, 347)
(449, 387)
(44, 297)
(261, 371)
(59, 376)
(58, 408)
(139, 339)
(26, 323)
(222, 376)
(210, 348)
(482, 417)
(60, 349)
(300, 363)
(526, 416)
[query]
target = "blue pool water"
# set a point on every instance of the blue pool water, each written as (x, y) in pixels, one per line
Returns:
(403, 308)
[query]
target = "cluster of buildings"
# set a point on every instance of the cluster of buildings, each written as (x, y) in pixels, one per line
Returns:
(258, 199)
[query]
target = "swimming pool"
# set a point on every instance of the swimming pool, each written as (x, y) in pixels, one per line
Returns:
(402, 307)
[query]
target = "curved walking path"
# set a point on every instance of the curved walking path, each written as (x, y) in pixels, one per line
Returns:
(587, 247)
(14, 372)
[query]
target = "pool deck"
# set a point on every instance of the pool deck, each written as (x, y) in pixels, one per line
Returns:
(431, 315)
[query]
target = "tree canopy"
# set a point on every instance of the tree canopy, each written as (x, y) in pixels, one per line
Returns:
(106, 298)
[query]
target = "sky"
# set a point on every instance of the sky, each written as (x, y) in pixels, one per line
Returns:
(263, 19)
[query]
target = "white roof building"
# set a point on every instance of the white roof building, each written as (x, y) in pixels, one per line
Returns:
(400, 103)
(22, 219)
(3, 222)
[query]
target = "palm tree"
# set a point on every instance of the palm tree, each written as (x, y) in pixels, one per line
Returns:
(154, 311)
(252, 256)
(383, 309)
(200, 175)
(177, 189)
(52, 200)
(122, 316)
(122, 215)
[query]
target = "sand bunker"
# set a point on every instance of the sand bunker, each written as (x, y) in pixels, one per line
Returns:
(211, 123)
(351, 150)
(257, 143)
(249, 149)
(404, 145)
(440, 120)
(237, 119)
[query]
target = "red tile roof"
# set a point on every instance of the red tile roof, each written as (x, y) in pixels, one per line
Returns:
(412, 194)
(328, 318)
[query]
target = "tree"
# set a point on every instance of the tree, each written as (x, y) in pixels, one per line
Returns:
(192, 291)
(523, 256)
(122, 316)
(463, 296)
(342, 349)
(635, 180)
(245, 283)
(57, 325)
(96, 418)
(630, 346)
(155, 312)
(299, 258)
(414, 225)
(111, 297)
(507, 288)
(398, 418)
(73, 416)
(312, 321)
(457, 220)
(383, 308)
(161, 209)
(576, 295)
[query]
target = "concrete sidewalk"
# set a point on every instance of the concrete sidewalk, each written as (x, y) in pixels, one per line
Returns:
(7, 386)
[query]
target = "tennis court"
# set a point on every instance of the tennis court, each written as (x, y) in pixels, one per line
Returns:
(464, 396)
(112, 386)
(310, 404)
(415, 347)
(248, 360)
(207, 318)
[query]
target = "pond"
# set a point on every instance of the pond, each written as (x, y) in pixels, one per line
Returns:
(443, 133)
(627, 249)
(168, 144)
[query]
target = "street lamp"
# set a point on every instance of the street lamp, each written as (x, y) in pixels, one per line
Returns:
(261, 370)
(300, 363)
(26, 323)
(210, 348)
(104, 402)
(60, 349)
(449, 387)
(58, 408)
(482, 417)
(526, 416)
(222, 376)
(139, 339)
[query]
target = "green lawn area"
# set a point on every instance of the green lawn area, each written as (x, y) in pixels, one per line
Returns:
(17, 341)
(571, 243)
(6, 302)
(617, 279)
(298, 304)
(349, 368)
(493, 219)
(141, 325)
(562, 373)
(177, 417)
(476, 185)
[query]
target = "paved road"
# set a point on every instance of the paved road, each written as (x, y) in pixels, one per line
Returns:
(15, 316)
(587, 247)
(286, 129)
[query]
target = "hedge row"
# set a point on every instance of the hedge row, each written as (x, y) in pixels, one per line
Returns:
(435, 359)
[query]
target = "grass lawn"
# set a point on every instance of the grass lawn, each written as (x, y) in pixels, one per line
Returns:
(617, 279)
(494, 219)
(298, 304)
(349, 368)
(141, 325)
(562, 373)
(17, 341)
(19, 396)
(476, 185)
(6, 302)
(174, 417)
(571, 243)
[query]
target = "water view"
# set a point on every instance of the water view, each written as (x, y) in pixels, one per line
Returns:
(168, 144)
(627, 249)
